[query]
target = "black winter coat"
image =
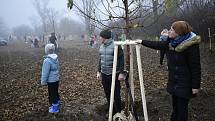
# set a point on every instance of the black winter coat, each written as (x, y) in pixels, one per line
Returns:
(184, 69)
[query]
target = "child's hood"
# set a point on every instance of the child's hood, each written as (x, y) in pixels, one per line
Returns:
(53, 57)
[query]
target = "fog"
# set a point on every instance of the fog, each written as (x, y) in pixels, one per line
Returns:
(22, 18)
(18, 12)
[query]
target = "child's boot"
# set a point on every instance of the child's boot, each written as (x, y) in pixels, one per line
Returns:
(54, 108)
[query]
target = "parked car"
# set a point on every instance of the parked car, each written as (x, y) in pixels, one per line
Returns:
(3, 42)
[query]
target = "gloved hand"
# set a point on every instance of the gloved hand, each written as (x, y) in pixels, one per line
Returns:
(98, 75)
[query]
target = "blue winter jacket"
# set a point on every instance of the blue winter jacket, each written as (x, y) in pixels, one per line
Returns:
(50, 69)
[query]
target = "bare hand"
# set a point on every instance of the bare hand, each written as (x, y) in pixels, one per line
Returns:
(139, 41)
(98, 75)
(164, 32)
(195, 91)
(121, 77)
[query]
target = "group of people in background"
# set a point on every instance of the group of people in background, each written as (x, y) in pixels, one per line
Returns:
(36, 42)
(179, 43)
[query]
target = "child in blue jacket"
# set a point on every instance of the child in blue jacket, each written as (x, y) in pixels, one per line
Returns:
(50, 77)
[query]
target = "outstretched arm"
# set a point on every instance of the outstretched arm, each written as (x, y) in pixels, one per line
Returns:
(158, 45)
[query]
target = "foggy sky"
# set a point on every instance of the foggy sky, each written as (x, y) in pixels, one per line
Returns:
(17, 12)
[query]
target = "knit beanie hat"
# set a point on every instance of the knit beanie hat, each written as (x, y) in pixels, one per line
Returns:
(181, 27)
(105, 34)
(49, 48)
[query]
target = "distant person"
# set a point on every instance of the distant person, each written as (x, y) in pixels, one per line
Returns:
(10, 38)
(36, 43)
(116, 37)
(25, 38)
(59, 37)
(183, 59)
(82, 36)
(31, 42)
(53, 40)
(91, 42)
(105, 68)
(50, 77)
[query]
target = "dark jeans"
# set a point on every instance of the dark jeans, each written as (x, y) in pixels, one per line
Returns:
(106, 82)
(162, 53)
(180, 109)
(53, 92)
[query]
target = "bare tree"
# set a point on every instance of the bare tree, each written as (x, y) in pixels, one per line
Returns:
(70, 27)
(37, 27)
(130, 15)
(86, 9)
(109, 13)
(42, 10)
(52, 15)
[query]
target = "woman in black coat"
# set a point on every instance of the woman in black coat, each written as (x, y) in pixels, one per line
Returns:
(184, 68)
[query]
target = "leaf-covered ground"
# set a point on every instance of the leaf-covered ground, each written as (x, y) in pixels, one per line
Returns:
(22, 98)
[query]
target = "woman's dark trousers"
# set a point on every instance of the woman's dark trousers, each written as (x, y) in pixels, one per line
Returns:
(180, 109)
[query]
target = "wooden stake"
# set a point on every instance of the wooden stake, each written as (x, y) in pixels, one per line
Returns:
(141, 82)
(128, 42)
(113, 82)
